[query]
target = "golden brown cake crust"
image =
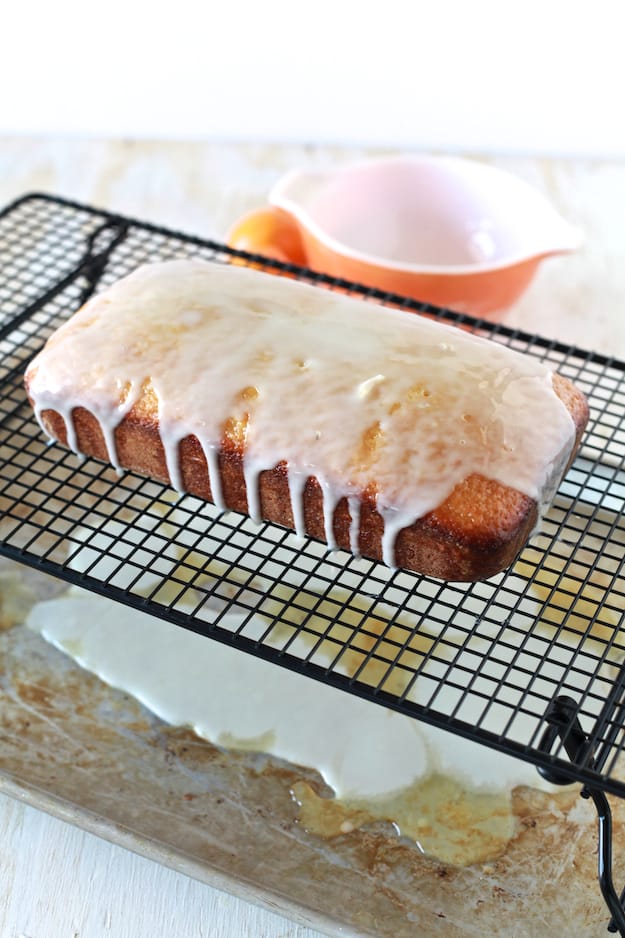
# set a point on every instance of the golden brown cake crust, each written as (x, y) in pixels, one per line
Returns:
(477, 531)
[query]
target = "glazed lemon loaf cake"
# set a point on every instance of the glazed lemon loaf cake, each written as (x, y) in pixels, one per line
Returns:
(374, 429)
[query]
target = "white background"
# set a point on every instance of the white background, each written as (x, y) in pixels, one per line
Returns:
(540, 77)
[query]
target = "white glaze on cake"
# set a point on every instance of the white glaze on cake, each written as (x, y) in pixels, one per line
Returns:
(211, 454)
(359, 396)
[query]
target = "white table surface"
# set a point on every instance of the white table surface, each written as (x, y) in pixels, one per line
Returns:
(55, 880)
(59, 882)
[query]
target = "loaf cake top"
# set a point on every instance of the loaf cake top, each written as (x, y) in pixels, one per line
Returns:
(365, 398)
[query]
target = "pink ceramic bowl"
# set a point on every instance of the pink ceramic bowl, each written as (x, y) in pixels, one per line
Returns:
(445, 230)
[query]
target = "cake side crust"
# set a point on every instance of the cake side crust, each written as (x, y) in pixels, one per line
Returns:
(474, 534)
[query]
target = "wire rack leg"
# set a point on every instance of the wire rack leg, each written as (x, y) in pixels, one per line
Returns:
(604, 860)
(562, 722)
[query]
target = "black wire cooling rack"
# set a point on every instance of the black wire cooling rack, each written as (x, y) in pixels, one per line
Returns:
(528, 663)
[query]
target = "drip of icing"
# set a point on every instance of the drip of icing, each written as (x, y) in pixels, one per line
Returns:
(66, 413)
(38, 409)
(108, 432)
(214, 476)
(297, 484)
(171, 444)
(330, 501)
(393, 524)
(355, 395)
(251, 471)
(109, 426)
(70, 428)
(354, 524)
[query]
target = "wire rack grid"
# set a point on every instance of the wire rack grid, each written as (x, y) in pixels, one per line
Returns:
(485, 661)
